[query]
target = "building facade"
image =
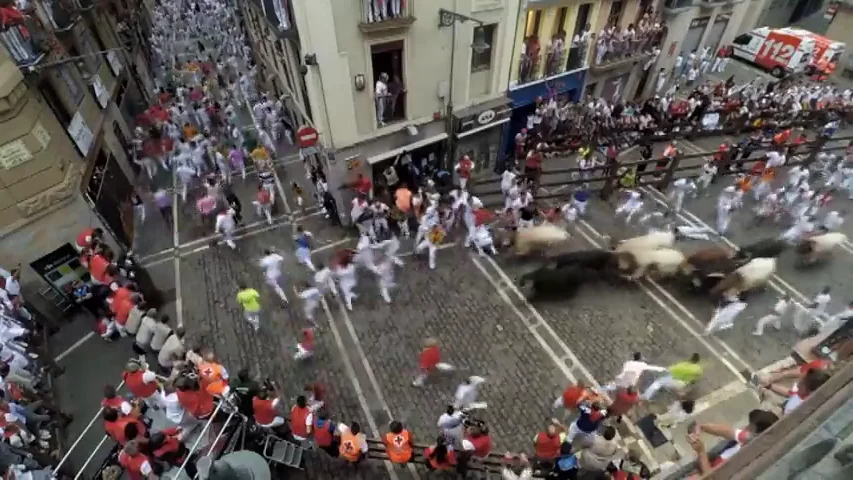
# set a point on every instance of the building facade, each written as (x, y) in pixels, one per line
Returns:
(696, 24)
(70, 88)
(443, 77)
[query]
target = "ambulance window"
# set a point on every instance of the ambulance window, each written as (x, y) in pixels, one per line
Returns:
(835, 57)
(743, 39)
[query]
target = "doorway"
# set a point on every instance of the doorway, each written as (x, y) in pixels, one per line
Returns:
(387, 58)
(109, 191)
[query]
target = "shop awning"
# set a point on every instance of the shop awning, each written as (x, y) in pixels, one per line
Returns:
(412, 146)
(482, 127)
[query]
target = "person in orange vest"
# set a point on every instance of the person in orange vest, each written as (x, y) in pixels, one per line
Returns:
(353, 445)
(326, 434)
(195, 400)
(546, 445)
(212, 376)
(398, 444)
(115, 426)
(265, 408)
(301, 419)
(136, 463)
(141, 382)
(439, 456)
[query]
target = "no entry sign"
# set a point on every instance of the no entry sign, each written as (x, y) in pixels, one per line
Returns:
(307, 137)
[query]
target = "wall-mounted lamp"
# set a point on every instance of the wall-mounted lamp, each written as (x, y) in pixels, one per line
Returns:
(359, 82)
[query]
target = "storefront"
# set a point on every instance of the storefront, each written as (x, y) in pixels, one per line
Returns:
(567, 86)
(479, 131)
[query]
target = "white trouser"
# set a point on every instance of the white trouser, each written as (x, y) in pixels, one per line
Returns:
(347, 287)
(272, 281)
(303, 255)
(662, 382)
(772, 319)
(427, 245)
(723, 219)
(254, 319)
(263, 210)
(677, 199)
(308, 308)
(385, 285)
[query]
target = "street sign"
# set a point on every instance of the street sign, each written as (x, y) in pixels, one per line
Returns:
(307, 137)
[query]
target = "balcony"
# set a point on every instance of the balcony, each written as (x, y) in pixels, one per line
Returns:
(279, 16)
(62, 14)
(386, 15)
(710, 4)
(674, 7)
(577, 56)
(23, 44)
(621, 53)
(555, 60)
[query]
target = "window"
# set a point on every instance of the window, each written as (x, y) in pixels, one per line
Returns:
(389, 82)
(743, 39)
(483, 60)
(54, 102)
(582, 20)
(75, 92)
(531, 27)
(616, 9)
(561, 21)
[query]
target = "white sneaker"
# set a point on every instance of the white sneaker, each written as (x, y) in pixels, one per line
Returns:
(45, 435)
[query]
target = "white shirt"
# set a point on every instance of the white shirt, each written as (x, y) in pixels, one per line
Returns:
(172, 346)
(381, 89)
(13, 288)
(631, 371)
(821, 301)
(272, 265)
(160, 332)
(225, 223)
(174, 410)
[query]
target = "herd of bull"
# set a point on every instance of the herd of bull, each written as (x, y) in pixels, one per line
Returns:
(713, 270)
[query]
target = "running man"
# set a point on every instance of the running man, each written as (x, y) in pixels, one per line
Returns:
(271, 263)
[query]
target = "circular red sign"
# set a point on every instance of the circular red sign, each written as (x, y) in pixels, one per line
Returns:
(307, 137)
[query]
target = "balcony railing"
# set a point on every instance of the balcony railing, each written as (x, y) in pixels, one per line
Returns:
(555, 59)
(278, 15)
(380, 15)
(24, 49)
(618, 51)
(528, 68)
(577, 56)
(63, 14)
(390, 108)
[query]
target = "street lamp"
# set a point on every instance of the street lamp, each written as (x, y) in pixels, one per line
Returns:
(447, 18)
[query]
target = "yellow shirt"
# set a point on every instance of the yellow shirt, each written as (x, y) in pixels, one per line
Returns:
(249, 300)
(687, 372)
(260, 153)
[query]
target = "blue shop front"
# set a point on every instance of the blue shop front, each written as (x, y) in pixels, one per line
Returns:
(523, 97)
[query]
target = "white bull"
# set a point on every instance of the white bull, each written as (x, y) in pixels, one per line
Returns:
(754, 274)
(538, 238)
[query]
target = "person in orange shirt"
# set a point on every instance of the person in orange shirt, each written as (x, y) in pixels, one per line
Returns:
(398, 443)
(189, 132)
(573, 395)
(212, 376)
(353, 445)
(429, 361)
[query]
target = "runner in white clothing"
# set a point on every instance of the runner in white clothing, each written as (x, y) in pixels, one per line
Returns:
(271, 263)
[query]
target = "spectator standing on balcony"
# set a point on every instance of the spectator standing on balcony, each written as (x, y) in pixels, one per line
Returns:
(395, 89)
(382, 95)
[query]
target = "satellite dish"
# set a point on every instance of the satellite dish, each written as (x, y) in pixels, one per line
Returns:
(241, 465)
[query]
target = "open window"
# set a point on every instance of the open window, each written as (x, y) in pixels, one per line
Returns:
(742, 39)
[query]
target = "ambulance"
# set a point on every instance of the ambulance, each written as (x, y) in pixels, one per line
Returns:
(779, 51)
(827, 53)
(789, 50)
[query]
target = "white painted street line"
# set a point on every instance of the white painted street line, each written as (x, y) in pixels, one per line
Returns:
(248, 231)
(75, 346)
(271, 227)
(365, 363)
(567, 353)
(719, 396)
(359, 392)
(702, 339)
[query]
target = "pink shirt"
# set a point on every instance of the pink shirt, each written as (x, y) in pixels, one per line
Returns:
(237, 158)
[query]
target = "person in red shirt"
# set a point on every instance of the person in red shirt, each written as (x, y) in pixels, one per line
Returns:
(429, 361)
(623, 402)
(136, 463)
(116, 426)
(363, 186)
(116, 402)
(464, 169)
(167, 446)
(88, 238)
(477, 441)
(533, 166)
(572, 396)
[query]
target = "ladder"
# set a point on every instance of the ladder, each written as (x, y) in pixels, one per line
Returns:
(282, 452)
